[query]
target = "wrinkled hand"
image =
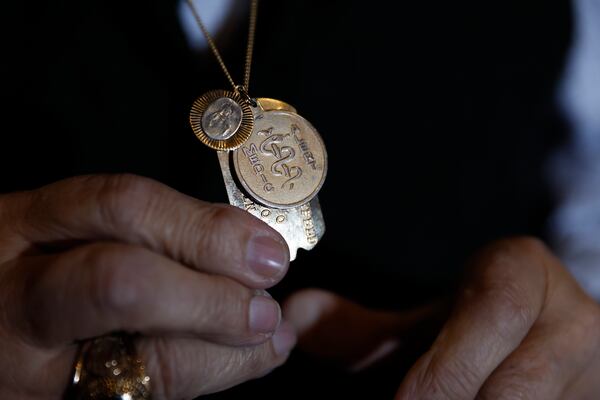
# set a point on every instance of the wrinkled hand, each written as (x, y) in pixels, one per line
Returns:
(92, 255)
(521, 329)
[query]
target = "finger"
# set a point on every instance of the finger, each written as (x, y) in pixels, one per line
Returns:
(179, 368)
(213, 238)
(495, 312)
(338, 330)
(187, 368)
(556, 353)
(99, 288)
(540, 368)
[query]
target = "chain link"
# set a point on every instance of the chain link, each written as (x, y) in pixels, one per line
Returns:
(215, 50)
(250, 47)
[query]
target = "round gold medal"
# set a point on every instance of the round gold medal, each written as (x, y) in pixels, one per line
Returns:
(222, 120)
(284, 163)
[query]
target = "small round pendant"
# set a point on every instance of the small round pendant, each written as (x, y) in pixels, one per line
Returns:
(284, 163)
(222, 120)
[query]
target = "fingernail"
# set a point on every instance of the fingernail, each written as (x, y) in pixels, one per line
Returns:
(284, 339)
(265, 315)
(266, 256)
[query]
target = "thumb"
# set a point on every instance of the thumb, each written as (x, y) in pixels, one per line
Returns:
(345, 333)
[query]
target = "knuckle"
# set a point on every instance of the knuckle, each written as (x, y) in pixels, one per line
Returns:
(236, 366)
(513, 286)
(226, 307)
(172, 366)
(212, 230)
(447, 379)
(123, 199)
(256, 361)
(510, 305)
(113, 281)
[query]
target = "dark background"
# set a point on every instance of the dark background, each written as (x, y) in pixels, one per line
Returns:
(438, 117)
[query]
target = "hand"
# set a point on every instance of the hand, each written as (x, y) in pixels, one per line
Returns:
(521, 329)
(92, 255)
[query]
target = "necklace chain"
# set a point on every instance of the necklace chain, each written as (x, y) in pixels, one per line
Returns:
(215, 50)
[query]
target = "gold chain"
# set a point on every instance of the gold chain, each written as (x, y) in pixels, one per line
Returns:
(249, 49)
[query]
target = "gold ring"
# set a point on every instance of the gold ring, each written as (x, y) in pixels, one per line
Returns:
(107, 368)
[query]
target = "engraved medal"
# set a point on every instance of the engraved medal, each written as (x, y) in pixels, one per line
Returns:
(283, 164)
(273, 160)
(276, 172)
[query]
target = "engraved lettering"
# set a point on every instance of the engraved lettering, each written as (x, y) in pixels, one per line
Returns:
(251, 153)
(308, 224)
(254, 160)
(306, 153)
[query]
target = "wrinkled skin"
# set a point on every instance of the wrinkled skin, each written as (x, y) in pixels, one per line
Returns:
(521, 328)
(92, 255)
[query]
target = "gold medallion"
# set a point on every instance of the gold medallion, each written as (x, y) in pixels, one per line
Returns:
(222, 120)
(284, 163)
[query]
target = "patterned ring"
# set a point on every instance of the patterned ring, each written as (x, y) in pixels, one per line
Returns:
(108, 368)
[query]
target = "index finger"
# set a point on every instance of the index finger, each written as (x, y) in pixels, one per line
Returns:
(214, 238)
(494, 313)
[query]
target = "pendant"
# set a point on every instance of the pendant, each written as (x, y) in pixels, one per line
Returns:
(273, 162)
